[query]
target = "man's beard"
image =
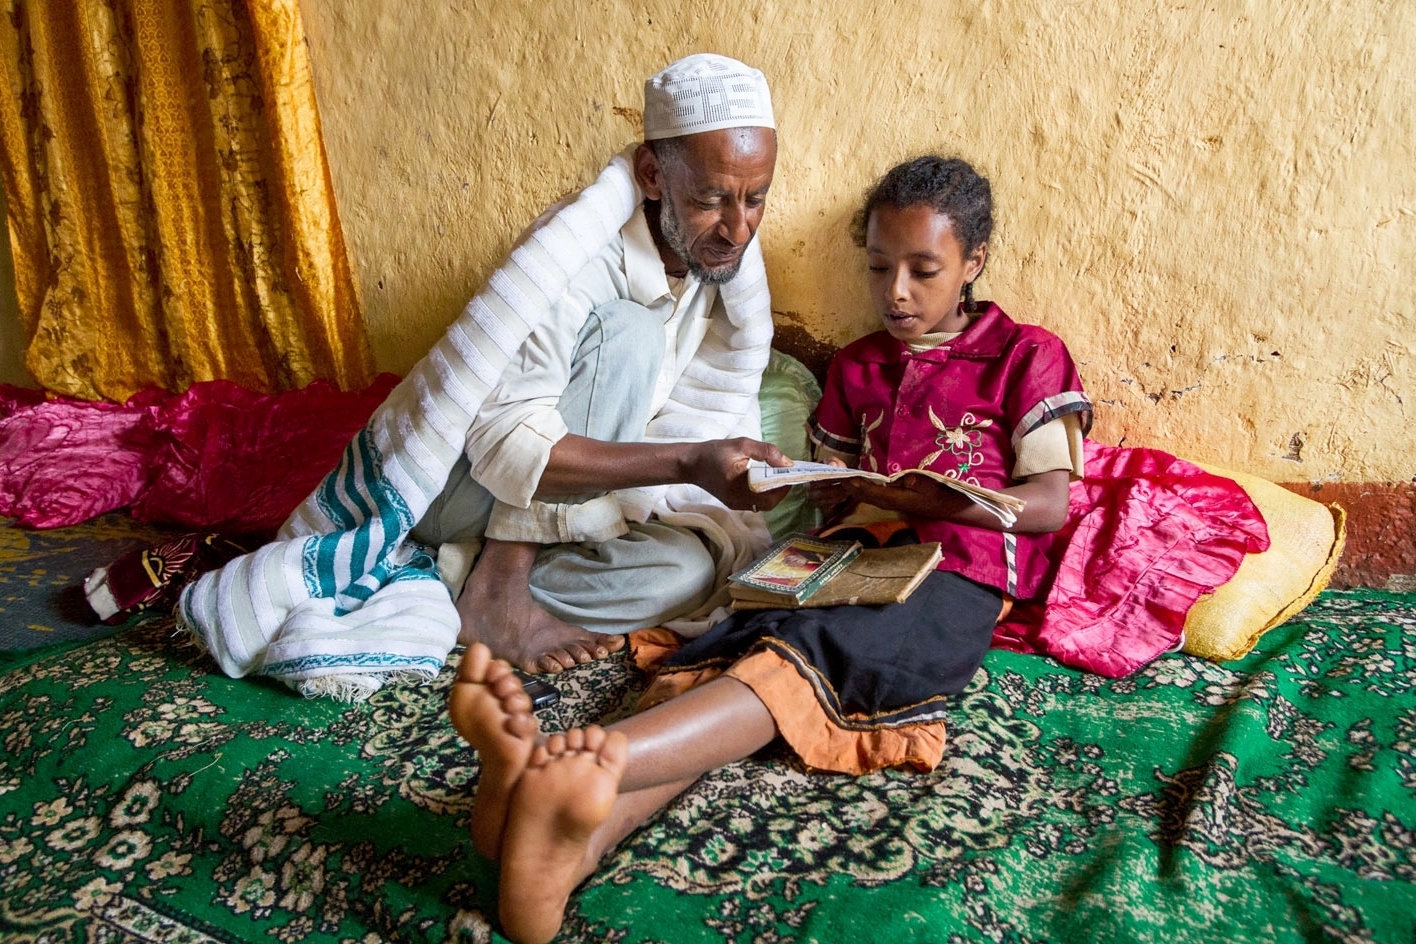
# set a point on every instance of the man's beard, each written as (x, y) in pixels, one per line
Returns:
(673, 235)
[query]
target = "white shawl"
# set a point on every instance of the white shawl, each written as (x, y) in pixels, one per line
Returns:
(342, 601)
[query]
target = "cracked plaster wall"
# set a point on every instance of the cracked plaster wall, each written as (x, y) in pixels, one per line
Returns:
(1213, 203)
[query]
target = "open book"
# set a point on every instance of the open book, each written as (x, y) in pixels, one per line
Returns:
(762, 477)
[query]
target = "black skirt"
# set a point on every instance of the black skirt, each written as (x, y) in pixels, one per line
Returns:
(869, 665)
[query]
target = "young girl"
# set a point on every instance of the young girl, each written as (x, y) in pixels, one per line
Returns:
(949, 385)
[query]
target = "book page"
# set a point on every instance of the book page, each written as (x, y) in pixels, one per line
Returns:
(762, 477)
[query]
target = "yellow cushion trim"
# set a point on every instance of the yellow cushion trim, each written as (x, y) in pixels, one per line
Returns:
(1306, 540)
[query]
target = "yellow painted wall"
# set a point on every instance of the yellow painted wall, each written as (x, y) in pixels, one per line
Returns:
(1211, 202)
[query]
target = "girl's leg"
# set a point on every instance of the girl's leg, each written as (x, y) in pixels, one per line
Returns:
(579, 794)
(701, 730)
(492, 712)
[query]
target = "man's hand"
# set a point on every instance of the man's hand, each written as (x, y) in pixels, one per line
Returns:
(586, 466)
(720, 466)
(836, 498)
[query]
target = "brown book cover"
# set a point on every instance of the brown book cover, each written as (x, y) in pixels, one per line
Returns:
(875, 576)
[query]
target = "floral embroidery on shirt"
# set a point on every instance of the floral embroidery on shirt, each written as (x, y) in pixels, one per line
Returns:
(867, 455)
(962, 442)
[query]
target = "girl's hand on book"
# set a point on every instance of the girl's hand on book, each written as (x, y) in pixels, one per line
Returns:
(919, 496)
(916, 495)
(835, 499)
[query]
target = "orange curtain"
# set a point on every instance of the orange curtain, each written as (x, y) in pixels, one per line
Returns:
(170, 206)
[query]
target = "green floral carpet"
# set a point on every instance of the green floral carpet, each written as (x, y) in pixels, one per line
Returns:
(144, 797)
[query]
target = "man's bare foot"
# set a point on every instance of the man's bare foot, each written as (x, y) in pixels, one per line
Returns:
(567, 790)
(489, 708)
(497, 609)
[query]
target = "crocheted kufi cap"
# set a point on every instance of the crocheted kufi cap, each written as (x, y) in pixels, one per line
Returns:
(705, 92)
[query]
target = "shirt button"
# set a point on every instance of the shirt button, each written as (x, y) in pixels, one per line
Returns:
(901, 411)
(894, 467)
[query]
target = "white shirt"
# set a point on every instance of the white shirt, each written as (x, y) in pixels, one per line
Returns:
(509, 442)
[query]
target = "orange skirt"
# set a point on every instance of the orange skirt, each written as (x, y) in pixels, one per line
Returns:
(832, 678)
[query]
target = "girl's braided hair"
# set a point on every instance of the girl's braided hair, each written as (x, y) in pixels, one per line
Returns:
(948, 184)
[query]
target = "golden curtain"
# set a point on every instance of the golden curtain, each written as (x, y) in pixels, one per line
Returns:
(170, 207)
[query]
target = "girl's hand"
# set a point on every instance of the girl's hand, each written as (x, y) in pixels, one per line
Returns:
(1046, 495)
(835, 499)
(917, 496)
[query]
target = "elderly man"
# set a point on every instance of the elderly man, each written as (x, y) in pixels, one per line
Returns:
(576, 440)
(555, 576)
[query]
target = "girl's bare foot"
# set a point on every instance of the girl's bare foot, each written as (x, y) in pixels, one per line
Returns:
(567, 791)
(489, 708)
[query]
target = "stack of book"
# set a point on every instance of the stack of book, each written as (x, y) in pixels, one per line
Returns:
(806, 571)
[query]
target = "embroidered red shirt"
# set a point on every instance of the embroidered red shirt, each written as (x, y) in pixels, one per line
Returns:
(959, 409)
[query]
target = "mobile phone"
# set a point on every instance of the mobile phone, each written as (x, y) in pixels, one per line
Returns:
(543, 694)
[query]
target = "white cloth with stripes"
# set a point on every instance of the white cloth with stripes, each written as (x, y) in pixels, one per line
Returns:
(342, 601)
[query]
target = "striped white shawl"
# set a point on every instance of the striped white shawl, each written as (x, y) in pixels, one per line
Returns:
(342, 601)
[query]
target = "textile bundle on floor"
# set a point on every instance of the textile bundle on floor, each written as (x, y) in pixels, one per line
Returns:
(1147, 534)
(342, 600)
(216, 457)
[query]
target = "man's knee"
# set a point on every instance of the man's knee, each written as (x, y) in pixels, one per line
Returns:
(622, 330)
(460, 513)
(652, 574)
(686, 573)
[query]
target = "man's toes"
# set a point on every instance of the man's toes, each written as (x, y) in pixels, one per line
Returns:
(575, 740)
(556, 661)
(541, 665)
(604, 645)
(582, 653)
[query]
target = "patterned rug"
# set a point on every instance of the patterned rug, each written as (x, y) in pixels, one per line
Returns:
(143, 797)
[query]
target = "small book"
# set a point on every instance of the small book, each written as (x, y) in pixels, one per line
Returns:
(876, 576)
(762, 477)
(792, 570)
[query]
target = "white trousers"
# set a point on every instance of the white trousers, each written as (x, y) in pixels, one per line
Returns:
(615, 580)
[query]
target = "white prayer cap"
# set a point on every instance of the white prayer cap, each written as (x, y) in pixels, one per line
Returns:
(704, 92)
